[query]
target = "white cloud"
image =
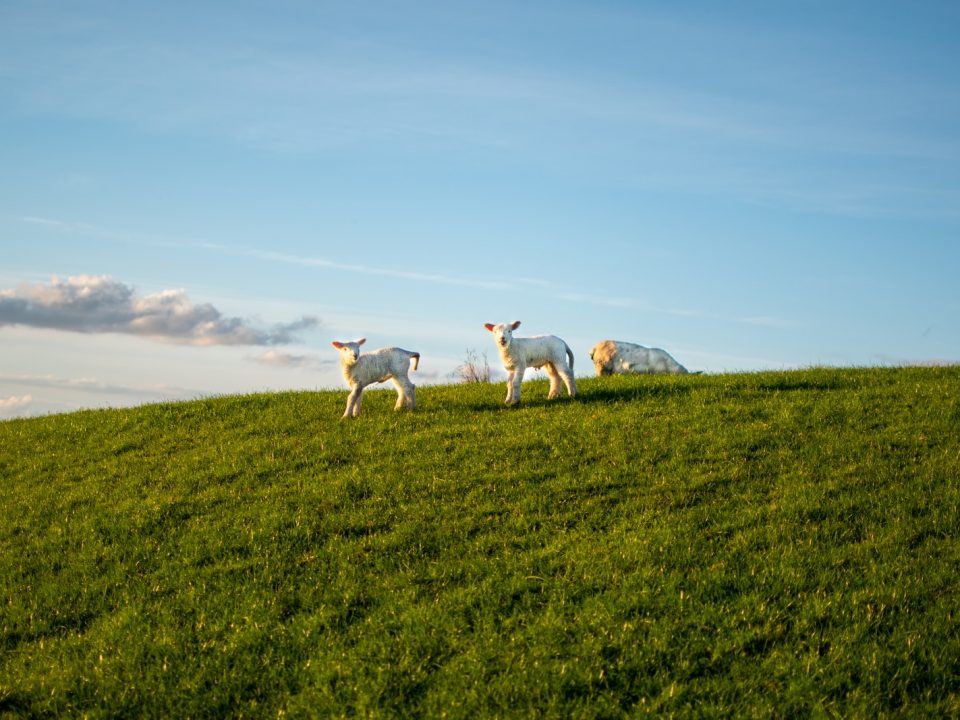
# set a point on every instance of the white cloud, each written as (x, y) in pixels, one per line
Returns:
(99, 304)
(14, 405)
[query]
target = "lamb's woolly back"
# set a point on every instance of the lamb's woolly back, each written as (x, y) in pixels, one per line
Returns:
(380, 365)
(615, 357)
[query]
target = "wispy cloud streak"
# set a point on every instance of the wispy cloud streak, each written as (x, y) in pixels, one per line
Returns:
(273, 358)
(94, 386)
(628, 303)
(625, 302)
(306, 261)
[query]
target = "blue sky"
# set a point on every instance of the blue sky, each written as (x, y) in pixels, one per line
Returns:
(196, 198)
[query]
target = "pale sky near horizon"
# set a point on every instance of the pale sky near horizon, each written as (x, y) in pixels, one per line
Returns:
(197, 198)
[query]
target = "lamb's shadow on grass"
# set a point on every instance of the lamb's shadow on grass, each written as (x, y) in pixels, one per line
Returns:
(799, 384)
(594, 394)
(608, 395)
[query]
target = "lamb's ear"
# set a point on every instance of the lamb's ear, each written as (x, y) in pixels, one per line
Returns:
(337, 345)
(361, 341)
(488, 326)
(515, 324)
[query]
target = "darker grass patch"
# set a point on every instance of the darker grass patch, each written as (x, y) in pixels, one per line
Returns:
(614, 390)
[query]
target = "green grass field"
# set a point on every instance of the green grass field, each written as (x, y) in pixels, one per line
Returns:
(757, 545)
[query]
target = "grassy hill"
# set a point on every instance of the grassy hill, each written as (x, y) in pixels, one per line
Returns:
(774, 544)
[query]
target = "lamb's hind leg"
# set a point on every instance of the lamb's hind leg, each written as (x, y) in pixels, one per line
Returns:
(567, 374)
(554, 380)
(406, 392)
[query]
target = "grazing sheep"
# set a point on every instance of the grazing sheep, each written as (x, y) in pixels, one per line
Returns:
(613, 357)
(546, 351)
(376, 367)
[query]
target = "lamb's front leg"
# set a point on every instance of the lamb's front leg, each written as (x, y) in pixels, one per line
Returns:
(514, 378)
(353, 401)
(356, 406)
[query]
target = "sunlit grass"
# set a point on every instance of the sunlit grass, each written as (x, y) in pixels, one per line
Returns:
(776, 544)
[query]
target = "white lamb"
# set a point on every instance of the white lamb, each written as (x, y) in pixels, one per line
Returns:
(376, 367)
(546, 351)
(613, 357)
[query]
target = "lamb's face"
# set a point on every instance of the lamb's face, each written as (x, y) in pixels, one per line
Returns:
(503, 333)
(349, 351)
(602, 368)
(602, 355)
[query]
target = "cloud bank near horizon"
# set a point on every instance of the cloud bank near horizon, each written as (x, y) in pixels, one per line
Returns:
(14, 405)
(100, 304)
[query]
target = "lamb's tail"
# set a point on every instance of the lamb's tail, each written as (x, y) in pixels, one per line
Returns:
(416, 360)
(569, 355)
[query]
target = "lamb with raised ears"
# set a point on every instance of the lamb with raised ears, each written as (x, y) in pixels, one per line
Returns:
(546, 351)
(376, 367)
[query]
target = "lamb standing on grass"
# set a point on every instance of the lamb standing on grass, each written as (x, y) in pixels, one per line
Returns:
(546, 351)
(613, 357)
(376, 367)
